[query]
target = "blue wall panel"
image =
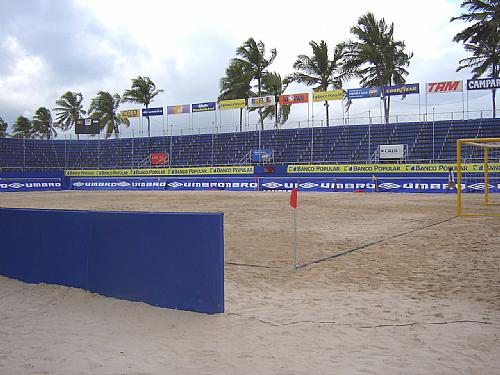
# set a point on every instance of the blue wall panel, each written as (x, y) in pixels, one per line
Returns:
(171, 260)
(44, 246)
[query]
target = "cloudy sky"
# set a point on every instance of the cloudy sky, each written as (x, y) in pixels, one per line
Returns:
(51, 46)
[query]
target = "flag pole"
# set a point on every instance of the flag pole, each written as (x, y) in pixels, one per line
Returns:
(295, 245)
(293, 204)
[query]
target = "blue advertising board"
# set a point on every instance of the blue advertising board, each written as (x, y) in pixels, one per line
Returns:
(203, 107)
(381, 184)
(406, 89)
(164, 183)
(363, 92)
(262, 155)
(30, 184)
(483, 84)
(146, 112)
(317, 184)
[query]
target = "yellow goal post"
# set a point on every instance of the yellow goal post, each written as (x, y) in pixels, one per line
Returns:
(484, 175)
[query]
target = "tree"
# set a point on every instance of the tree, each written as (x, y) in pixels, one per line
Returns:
(22, 128)
(69, 110)
(42, 124)
(236, 85)
(375, 57)
(482, 39)
(273, 85)
(318, 70)
(3, 128)
(104, 108)
(143, 91)
(253, 60)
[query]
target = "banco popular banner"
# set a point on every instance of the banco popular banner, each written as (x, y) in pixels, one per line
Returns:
(388, 168)
(320, 96)
(162, 171)
(128, 113)
(30, 184)
(232, 104)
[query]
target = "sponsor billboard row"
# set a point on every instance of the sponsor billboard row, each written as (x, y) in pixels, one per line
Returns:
(347, 184)
(317, 96)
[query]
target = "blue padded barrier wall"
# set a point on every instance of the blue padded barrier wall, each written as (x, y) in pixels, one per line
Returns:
(44, 246)
(173, 260)
(395, 184)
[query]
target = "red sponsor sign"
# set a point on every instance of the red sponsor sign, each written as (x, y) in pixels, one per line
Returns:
(159, 158)
(294, 98)
(446, 86)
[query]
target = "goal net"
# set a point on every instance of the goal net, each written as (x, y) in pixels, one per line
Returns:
(478, 176)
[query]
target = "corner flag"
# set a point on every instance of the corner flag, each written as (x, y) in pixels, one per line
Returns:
(293, 198)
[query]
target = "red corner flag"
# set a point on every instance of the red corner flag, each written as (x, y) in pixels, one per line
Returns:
(293, 198)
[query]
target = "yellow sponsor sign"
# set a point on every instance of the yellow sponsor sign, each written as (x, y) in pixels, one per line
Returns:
(320, 96)
(130, 113)
(160, 171)
(388, 168)
(231, 104)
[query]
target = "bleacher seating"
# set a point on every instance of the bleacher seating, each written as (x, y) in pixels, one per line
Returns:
(426, 142)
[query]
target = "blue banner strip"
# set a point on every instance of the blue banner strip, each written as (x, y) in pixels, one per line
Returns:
(347, 184)
(30, 184)
(165, 183)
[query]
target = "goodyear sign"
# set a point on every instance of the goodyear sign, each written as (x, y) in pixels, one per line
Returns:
(161, 171)
(388, 168)
(232, 104)
(320, 96)
(409, 88)
(130, 113)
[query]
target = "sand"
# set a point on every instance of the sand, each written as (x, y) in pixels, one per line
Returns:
(423, 298)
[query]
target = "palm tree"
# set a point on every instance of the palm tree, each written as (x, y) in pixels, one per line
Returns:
(482, 39)
(22, 128)
(375, 57)
(104, 107)
(318, 70)
(143, 91)
(235, 85)
(69, 110)
(272, 84)
(42, 124)
(253, 60)
(3, 128)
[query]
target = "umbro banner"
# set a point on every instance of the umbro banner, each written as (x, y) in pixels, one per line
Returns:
(336, 184)
(30, 184)
(165, 183)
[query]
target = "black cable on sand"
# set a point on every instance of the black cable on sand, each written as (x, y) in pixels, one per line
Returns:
(372, 243)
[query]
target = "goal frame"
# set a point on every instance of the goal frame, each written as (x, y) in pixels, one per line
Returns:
(478, 142)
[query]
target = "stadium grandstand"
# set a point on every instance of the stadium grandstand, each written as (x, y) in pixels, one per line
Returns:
(424, 142)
